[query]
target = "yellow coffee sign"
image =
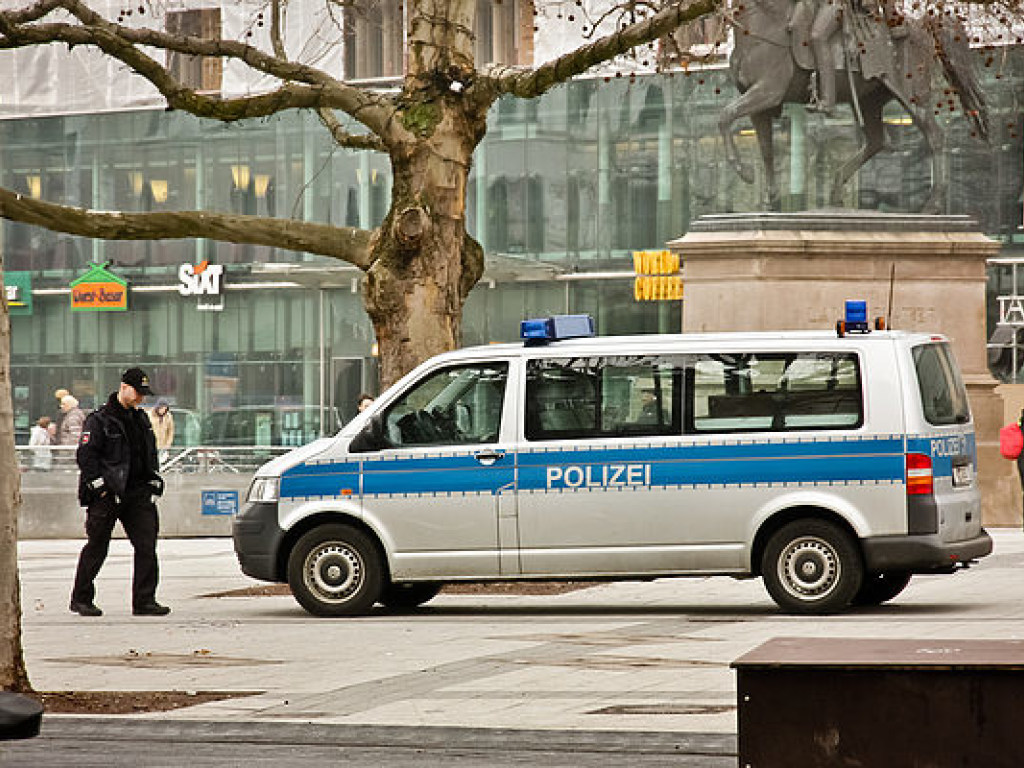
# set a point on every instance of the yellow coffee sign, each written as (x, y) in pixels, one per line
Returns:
(657, 276)
(99, 290)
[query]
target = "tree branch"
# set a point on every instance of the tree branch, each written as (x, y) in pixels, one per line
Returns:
(317, 89)
(529, 83)
(347, 244)
(344, 138)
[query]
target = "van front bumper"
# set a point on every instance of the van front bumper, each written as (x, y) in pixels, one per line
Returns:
(257, 538)
(923, 553)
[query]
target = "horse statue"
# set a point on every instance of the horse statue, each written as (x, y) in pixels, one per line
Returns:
(771, 65)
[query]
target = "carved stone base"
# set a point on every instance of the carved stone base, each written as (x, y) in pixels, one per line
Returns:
(764, 271)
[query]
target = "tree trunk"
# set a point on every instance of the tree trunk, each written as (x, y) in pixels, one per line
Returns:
(13, 676)
(423, 261)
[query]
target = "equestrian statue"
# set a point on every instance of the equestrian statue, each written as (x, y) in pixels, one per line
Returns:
(823, 52)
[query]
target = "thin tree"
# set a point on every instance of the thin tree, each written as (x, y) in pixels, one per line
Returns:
(13, 676)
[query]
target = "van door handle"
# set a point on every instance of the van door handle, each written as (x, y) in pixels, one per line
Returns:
(487, 458)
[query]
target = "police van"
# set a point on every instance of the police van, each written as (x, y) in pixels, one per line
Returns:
(832, 465)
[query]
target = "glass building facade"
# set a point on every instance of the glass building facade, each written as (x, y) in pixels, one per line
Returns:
(563, 189)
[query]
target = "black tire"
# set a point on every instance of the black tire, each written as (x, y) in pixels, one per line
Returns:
(812, 566)
(878, 588)
(405, 596)
(335, 570)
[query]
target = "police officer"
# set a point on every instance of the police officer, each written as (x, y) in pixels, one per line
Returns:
(119, 481)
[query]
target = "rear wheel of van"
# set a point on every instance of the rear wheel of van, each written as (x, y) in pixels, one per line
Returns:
(881, 587)
(812, 567)
(404, 596)
(335, 570)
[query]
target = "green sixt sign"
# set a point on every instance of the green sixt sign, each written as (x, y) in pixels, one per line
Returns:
(18, 289)
(99, 290)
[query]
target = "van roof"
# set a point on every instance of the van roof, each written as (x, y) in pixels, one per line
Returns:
(604, 344)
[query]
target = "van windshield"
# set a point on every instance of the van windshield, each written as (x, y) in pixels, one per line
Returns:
(943, 396)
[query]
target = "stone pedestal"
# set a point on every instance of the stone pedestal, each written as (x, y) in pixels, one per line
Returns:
(771, 271)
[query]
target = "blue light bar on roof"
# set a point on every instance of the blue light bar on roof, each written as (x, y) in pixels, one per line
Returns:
(542, 330)
(856, 312)
(855, 319)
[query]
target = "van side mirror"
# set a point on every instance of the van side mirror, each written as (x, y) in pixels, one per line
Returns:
(371, 438)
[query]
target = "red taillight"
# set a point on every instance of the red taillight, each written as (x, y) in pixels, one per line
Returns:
(919, 474)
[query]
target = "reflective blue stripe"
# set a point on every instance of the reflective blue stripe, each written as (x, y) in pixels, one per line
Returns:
(463, 480)
(870, 460)
(328, 468)
(819, 469)
(943, 448)
(813, 449)
(318, 485)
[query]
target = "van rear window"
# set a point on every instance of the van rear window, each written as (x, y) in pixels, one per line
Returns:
(943, 396)
(773, 392)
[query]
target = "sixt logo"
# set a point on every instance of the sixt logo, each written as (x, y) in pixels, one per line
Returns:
(599, 476)
(203, 278)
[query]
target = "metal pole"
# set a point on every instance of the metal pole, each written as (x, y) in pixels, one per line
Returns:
(323, 372)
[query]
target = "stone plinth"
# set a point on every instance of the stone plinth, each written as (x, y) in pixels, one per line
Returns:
(770, 271)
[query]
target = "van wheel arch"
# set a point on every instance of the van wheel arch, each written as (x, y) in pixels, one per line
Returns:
(770, 526)
(305, 525)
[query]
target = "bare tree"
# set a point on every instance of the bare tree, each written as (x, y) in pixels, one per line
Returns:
(420, 264)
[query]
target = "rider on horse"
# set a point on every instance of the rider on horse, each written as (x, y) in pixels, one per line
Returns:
(826, 19)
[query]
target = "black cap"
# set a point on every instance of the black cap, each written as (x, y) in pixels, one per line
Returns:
(137, 379)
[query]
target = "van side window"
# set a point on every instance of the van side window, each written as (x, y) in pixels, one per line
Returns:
(943, 396)
(603, 397)
(461, 404)
(748, 392)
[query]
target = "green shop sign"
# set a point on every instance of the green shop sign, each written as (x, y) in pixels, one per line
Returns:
(18, 287)
(99, 290)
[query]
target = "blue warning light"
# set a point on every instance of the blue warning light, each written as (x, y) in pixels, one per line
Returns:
(543, 330)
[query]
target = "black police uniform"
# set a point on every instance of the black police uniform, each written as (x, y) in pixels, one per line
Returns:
(118, 481)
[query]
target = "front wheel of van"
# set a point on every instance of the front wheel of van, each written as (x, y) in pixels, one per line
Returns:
(812, 567)
(335, 570)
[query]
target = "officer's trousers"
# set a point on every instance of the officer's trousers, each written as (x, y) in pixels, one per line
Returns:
(138, 517)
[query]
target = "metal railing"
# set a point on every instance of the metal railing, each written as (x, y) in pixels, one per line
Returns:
(197, 459)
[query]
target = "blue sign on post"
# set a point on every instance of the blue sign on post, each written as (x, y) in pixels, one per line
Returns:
(220, 502)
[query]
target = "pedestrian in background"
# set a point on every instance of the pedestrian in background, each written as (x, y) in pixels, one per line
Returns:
(39, 439)
(364, 402)
(163, 427)
(119, 481)
(71, 422)
(60, 394)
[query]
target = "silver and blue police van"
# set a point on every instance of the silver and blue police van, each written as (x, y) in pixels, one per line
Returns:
(833, 465)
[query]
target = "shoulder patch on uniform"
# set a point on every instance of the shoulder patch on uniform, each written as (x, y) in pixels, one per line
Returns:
(84, 439)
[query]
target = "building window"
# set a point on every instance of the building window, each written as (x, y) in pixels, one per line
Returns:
(200, 73)
(498, 32)
(374, 40)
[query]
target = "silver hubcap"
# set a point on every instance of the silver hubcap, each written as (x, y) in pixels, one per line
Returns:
(333, 571)
(809, 568)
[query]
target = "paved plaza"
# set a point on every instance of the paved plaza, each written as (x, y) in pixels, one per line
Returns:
(622, 657)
